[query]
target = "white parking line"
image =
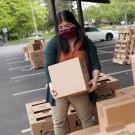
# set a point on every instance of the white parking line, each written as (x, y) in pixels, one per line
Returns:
(14, 54)
(18, 67)
(100, 51)
(30, 69)
(29, 91)
(104, 44)
(106, 47)
(102, 61)
(18, 77)
(25, 130)
(14, 58)
(21, 61)
(119, 72)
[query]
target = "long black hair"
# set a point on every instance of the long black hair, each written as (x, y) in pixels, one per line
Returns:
(69, 17)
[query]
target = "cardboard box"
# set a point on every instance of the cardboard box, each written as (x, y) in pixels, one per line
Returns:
(26, 53)
(25, 49)
(106, 87)
(40, 121)
(39, 112)
(37, 47)
(41, 42)
(38, 41)
(133, 67)
(37, 58)
(34, 47)
(26, 56)
(40, 118)
(69, 77)
(126, 91)
(88, 131)
(44, 44)
(38, 106)
(125, 130)
(36, 55)
(116, 110)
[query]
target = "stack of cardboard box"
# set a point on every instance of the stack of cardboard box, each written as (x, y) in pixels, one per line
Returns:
(119, 110)
(116, 111)
(37, 58)
(125, 46)
(35, 53)
(75, 82)
(34, 47)
(40, 118)
(26, 53)
(116, 115)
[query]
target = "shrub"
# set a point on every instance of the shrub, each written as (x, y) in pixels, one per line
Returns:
(13, 36)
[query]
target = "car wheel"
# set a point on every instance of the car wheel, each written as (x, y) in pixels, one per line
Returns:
(109, 36)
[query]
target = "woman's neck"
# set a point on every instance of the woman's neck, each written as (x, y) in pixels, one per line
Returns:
(72, 41)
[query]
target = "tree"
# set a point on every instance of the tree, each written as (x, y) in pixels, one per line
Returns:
(113, 13)
(60, 5)
(17, 16)
(6, 20)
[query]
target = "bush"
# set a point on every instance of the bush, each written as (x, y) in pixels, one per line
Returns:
(13, 36)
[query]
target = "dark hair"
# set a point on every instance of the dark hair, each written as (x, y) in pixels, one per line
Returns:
(69, 17)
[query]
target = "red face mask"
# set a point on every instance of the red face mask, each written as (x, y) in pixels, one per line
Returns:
(68, 33)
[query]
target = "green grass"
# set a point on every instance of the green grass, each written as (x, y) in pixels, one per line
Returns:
(49, 35)
(109, 27)
(21, 40)
(25, 40)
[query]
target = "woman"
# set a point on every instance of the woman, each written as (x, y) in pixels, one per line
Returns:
(70, 42)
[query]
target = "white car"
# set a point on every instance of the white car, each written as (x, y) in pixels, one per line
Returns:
(97, 35)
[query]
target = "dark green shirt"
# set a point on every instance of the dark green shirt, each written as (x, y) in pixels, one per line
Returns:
(51, 56)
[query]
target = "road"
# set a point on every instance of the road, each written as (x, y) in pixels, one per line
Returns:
(19, 84)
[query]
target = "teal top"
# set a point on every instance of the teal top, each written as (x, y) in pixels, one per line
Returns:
(51, 57)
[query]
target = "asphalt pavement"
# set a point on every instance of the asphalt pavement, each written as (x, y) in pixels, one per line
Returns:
(19, 84)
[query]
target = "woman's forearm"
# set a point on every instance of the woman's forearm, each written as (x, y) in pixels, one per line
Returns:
(95, 74)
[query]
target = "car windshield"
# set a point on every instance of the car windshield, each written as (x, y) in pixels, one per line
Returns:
(90, 29)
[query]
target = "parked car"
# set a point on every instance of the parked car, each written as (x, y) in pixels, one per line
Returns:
(97, 35)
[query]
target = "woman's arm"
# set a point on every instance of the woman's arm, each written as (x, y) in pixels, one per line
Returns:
(50, 57)
(94, 80)
(95, 74)
(93, 57)
(94, 66)
(51, 51)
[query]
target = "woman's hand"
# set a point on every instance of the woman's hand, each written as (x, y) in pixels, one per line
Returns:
(92, 84)
(52, 90)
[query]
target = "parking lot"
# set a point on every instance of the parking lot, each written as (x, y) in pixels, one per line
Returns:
(20, 84)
